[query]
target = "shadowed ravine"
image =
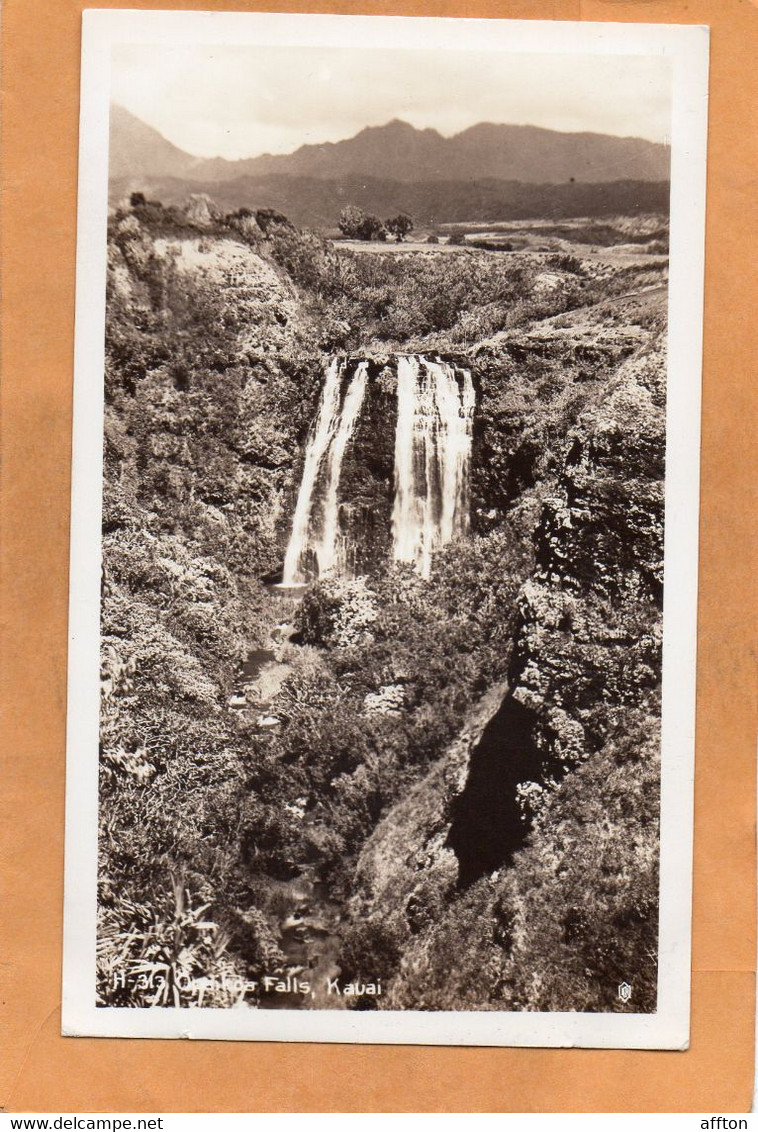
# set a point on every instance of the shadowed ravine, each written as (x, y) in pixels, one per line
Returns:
(488, 824)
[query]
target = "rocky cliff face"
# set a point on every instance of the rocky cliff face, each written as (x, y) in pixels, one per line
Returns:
(213, 342)
(580, 696)
(211, 377)
(367, 472)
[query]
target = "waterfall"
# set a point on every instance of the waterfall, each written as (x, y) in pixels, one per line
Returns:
(315, 527)
(432, 459)
(329, 547)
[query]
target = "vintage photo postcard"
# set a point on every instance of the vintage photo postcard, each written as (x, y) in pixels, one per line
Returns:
(384, 535)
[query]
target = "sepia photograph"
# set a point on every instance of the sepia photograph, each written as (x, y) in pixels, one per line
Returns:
(384, 545)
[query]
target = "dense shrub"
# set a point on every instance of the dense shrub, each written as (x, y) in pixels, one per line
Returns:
(216, 329)
(359, 225)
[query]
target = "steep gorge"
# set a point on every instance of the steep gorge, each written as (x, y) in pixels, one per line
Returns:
(457, 719)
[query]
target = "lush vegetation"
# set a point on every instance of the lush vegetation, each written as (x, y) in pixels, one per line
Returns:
(359, 225)
(218, 327)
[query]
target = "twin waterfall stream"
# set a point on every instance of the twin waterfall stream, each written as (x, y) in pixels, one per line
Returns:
(433, 439)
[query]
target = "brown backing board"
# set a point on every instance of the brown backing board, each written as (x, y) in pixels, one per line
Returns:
(42, 1071)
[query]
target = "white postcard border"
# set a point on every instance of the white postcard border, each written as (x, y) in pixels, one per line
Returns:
(668, 1028)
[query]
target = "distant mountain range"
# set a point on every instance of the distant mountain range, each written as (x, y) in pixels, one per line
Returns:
(490, 169)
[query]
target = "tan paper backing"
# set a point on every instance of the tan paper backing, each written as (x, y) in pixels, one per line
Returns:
(40, 1070)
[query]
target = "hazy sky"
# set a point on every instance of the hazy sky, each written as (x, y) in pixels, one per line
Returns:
(242, 101)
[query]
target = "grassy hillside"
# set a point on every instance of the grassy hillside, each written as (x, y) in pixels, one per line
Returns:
(318, 203)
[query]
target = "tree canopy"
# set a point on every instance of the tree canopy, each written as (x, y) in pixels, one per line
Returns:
(399, 226)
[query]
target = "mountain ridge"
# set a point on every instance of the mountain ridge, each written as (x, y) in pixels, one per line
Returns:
(398, 151)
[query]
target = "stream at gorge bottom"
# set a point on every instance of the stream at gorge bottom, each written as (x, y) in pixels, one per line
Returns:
(307, 919)
(310, 941)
